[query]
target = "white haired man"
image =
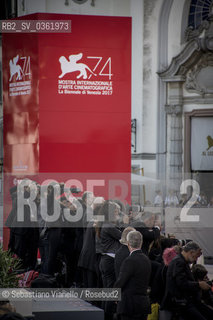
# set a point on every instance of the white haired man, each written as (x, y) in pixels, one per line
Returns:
(134, 280)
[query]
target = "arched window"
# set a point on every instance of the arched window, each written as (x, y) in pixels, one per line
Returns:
(199, 11)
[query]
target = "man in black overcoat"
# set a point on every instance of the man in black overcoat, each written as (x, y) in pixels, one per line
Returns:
(123, 252)
(133, 281)
(182, 291)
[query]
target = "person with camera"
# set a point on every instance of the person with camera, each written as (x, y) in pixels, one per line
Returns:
(182, 291)
(149, 226)
(200, 273)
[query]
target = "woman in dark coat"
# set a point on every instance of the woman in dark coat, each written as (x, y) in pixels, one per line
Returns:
(88, 257)
(86, 203)
(110, 234)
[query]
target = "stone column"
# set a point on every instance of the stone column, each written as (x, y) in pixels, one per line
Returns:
(175, 141)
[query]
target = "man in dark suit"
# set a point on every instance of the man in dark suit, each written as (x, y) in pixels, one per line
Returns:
(123, 252)
(133, 281)
(182, 291)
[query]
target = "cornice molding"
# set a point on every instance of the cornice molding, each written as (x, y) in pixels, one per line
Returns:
(143, 156)
(178, 66)
(189, 56)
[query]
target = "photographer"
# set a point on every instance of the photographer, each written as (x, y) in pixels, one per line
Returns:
(182, 291)
(149, 226)
(201, 274)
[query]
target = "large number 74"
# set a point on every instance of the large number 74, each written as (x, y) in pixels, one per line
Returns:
(107, 67)
(184, 217)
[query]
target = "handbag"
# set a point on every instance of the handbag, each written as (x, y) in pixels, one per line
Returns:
(154, 312)
(26, 278)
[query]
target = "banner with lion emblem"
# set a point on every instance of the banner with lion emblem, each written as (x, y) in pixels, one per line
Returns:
(202, 143)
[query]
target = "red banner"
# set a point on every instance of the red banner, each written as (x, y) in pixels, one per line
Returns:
(67, 98)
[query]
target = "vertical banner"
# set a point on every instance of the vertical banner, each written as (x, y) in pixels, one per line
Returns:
(202, 143)
(20, 103)
(85, 96)
(67, 104)
(20, 112)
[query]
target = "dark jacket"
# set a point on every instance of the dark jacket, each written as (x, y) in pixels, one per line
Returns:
(81, 226)
(158, 282)
(181, 287)
(149, 234)
(133, 281)
(120, 256)
(88, 256)
(109, 238)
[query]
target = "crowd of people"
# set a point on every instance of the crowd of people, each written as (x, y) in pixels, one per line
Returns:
(118, 247)
(173, 200)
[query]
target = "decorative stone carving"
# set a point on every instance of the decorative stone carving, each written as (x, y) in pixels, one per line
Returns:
(200, 78)
(179, 64)
(173, 109)
(207, 43)
(190, 55)
(191, 34)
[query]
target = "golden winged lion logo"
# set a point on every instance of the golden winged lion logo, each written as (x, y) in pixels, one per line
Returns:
(210, 142)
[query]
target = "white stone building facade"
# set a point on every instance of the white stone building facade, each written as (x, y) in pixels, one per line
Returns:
(171, 76)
